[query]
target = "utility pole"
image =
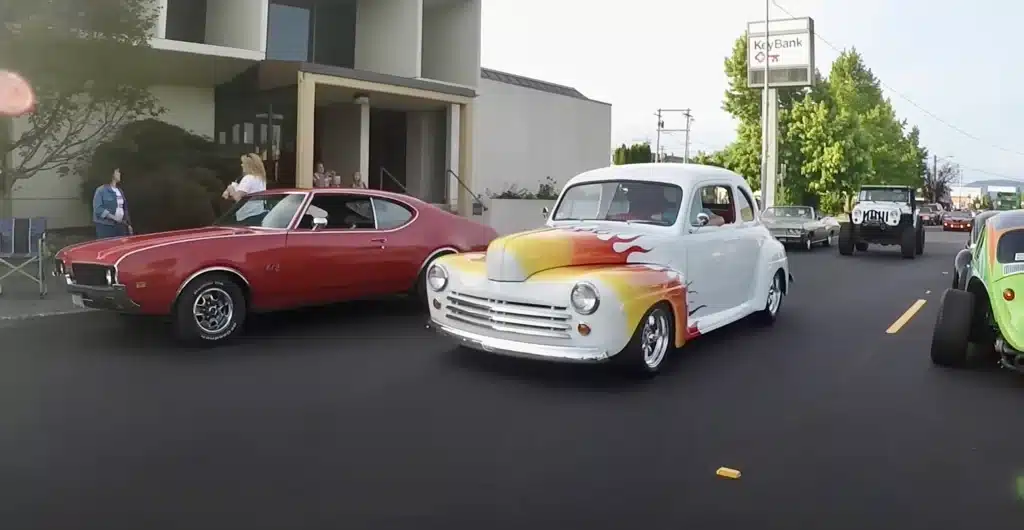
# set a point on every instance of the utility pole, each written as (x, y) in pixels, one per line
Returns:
(769, 125)
(661, 129)
(686, 146)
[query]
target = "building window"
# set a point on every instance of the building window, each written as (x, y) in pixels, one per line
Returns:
(222, 137)
(288, 31)
(236, 135)
(186, 20)
(247, 134)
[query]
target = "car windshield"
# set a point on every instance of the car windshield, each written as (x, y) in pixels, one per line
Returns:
(264, 211)
(628, 201)
(901, 195)
(1011, 247)
(927, 208)
(790, 212)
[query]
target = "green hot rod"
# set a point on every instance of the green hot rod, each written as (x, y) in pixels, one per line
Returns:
(982, 309)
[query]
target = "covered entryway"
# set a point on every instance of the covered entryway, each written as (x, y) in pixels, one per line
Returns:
(404, 135)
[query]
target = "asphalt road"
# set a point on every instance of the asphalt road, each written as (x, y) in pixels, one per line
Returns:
(358, 418)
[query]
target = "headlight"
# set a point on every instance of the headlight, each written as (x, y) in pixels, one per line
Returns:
(794, 231)
(857, 216)
(437, 277)
(111, 277)
(584, 298)
(58, 268)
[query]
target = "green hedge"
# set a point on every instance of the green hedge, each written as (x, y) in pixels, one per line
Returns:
(171, 178)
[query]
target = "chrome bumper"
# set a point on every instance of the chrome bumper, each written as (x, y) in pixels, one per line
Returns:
(111, 298)
(525, 350)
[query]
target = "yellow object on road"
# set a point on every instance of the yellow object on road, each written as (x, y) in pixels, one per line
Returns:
(728, 472)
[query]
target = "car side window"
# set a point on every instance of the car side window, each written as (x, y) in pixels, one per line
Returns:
(390, 214)
(715, 200)
(343, 212)
(745, 205)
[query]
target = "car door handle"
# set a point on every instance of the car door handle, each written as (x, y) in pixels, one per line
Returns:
(379, 240)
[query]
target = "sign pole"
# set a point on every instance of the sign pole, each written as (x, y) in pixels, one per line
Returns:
(767, 93)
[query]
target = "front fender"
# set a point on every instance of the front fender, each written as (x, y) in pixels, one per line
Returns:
(962, 267)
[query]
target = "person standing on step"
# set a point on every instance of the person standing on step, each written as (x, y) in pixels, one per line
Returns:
(110, 210)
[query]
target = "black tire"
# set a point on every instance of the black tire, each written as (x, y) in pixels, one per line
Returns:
(908, 243)
(920, 241)
(846, 243)
(951, 335)
(219, 289)
(956, 280)
(862, 247)
(632, 359)
(772, 306)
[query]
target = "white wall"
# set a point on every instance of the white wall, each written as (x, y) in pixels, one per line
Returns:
(508, 216)
(339, 137)
(388, 36)
(451, 42)
(47, 194)
(425, 155)
(237, 24)
(522, 135)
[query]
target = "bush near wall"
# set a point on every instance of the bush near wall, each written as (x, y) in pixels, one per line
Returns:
(172, 179)
(547, 190)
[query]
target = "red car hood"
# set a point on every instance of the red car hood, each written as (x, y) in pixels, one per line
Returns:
(111, 249)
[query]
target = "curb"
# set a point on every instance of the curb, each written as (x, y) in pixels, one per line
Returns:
(32, 316)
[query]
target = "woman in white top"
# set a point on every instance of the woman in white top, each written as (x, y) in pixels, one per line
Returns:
(254, 180)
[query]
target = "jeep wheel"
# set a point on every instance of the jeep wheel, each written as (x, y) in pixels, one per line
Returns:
(920, 241)
(846, 243)
(908, 243)
(952, 328)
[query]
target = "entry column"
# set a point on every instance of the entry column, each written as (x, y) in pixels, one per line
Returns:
(364, 139)
(452, 158)
(304, 132)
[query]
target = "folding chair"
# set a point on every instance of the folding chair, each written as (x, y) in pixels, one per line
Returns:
(23, 243)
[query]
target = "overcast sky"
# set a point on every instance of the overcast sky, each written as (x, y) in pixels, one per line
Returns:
(954, 60)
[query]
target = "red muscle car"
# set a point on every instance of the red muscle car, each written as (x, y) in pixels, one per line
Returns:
(275, 250)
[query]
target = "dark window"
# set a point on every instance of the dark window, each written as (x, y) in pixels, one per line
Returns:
(1011, 247)
(334, 33)
(346, 212)
(390, 214)
(186, 20)
(288, 32)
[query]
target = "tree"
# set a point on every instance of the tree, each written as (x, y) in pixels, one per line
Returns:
(938, 182)
(78, 56)
(633, 154)
(983, 202)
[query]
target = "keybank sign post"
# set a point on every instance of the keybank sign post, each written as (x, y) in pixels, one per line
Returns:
(780, 53)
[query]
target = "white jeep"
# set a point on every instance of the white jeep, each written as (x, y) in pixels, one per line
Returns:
(884, 215)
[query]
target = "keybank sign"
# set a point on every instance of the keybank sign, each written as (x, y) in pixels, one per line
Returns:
(783, 47)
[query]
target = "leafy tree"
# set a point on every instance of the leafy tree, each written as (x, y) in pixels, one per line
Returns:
(938, 182)
(984, 202)
(634, 154)
(716, 158)
(78, 55)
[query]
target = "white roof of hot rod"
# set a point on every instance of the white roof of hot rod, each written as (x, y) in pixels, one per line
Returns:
(682, 175)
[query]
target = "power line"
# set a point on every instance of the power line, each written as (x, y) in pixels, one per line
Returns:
(904, 97)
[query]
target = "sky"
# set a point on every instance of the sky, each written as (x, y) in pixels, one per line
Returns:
(949, 67)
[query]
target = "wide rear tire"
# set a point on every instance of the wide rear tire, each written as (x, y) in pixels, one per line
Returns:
(952, 332)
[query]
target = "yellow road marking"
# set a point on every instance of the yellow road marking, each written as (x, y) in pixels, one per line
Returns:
(907, 315)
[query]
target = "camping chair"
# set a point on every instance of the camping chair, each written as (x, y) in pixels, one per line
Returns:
(23, 243)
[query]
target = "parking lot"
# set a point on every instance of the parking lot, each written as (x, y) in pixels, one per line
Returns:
(357, 417)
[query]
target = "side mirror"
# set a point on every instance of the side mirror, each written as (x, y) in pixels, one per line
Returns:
(703, 219)
(545, 212)
(319, 223)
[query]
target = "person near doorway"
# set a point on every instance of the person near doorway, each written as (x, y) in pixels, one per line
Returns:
(356, 182)
(321, 178)
(254, 180)
(110, 210)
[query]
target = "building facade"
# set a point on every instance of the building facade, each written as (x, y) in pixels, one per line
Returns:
(390, 89)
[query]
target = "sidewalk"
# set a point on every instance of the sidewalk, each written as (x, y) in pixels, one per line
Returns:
(19, 296)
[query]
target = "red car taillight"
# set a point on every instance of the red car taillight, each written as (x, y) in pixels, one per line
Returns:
(1009, 295)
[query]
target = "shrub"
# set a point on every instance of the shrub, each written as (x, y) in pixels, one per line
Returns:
(171, 178)
(547, 190)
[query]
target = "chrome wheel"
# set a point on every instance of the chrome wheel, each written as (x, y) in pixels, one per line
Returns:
(807, 243)
(654, 338)
(775, 295)
(828, 241)
(213, 310)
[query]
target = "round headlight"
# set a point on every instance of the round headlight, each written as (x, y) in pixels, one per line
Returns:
(584, 298)
(437, 277)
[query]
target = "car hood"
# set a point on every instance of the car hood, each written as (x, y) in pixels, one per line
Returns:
(785, 223)
(516, 257)
(112, 249)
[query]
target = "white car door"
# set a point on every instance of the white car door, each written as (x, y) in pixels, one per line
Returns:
(752, 235)
(710, 257)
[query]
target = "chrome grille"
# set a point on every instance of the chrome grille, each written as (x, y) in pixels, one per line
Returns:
(89, 274)
(510, 317)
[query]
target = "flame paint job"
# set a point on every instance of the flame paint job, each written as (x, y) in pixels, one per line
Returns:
(611, 260)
